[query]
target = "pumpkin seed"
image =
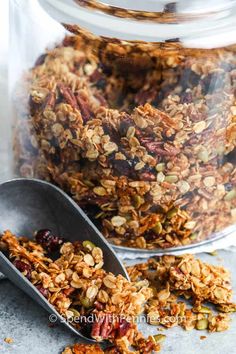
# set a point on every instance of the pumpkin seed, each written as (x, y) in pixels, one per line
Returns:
(172, 212)
(202, 309)
(160, 167)
(138, 201)
(89, 245)
(85, 302)
(75, 312)
(171, 179)
(202, 324)
(157, 228)
(230, 195)
(159, 338)
(190, 225)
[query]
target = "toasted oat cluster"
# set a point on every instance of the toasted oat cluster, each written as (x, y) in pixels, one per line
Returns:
(142, 136)
(167, 290)
(100, 304)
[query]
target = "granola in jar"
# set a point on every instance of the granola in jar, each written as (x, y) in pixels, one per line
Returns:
(142, 136)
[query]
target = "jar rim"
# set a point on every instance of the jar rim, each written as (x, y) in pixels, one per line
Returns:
(205, 31)
(165, 12)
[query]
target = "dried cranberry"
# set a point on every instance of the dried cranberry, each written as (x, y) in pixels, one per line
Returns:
(228, 186)
(98, 305)
(23, 267)
(101, 84)
(40, 60)
(124, 126)
(122, 167)
(47, 240)
(187, 97)
(231, 157)
(42, 290)
(95, 76)
(147, 176)
(150, 236)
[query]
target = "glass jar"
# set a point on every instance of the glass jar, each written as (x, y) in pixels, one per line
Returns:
(131, 109)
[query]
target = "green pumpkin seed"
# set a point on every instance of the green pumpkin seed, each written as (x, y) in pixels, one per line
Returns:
(202, 309)
(158, 338)
(172, 212)
(230, 195)
(193, 236)
(88, 183)
(88, 244)
(171, 179)
(75, 312)
(138, 201)
(87, 303)
(202, 324)
(157, 228)
(160, 167)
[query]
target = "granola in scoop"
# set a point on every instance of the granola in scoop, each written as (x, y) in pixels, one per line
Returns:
(142, 136)
(98, 303)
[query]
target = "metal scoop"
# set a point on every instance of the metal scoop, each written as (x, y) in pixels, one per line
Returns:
(27, 205)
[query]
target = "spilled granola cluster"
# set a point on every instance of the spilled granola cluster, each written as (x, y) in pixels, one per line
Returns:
(142, 136)
(185, 277)
(167, 290)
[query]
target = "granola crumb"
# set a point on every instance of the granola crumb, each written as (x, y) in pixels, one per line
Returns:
(8, 340)
(203, 337)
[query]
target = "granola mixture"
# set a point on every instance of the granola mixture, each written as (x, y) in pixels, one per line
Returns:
(142, 136)
(167, 290)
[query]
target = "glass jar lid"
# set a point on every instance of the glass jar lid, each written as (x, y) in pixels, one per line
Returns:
(196, 23)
